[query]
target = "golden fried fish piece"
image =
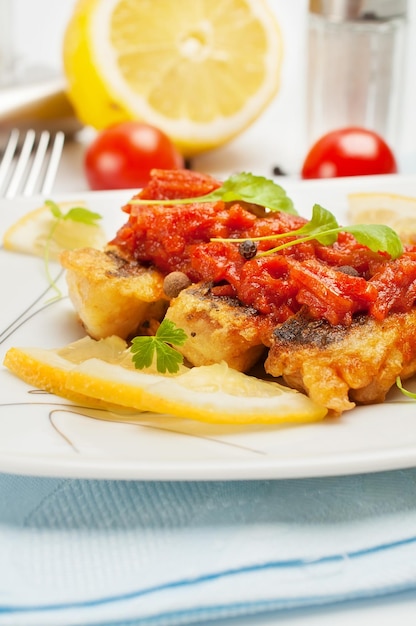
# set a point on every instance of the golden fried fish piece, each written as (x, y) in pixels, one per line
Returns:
(339, 366)
(112, 296)
(219, 328)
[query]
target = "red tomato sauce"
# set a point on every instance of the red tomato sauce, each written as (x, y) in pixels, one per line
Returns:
(332, 282)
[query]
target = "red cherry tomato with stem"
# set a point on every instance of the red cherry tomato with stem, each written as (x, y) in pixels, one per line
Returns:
(122, 156)
(349, 151)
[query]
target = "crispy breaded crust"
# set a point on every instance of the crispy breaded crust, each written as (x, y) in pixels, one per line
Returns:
(339, 366)
(111, 295)
(219, 328)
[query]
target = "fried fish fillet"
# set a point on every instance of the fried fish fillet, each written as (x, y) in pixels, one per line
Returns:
(339, 366)
(219, 328)
(112, 296)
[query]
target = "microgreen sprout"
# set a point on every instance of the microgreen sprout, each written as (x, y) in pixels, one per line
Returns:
(244, 187)
(324, 228)
(406, 392)
(76, 214)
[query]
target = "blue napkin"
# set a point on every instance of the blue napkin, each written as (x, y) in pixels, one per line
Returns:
(80, 552)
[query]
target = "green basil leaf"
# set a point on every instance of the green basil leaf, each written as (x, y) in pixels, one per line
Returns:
(377, 237)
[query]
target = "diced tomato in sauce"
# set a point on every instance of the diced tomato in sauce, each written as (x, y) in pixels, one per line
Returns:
(332, 282)
(395, 284)
(172, 184)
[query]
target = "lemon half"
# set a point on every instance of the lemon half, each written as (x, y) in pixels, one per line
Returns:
(200, 70)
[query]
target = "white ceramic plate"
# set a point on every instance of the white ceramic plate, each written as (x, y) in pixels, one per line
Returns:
(44, 435)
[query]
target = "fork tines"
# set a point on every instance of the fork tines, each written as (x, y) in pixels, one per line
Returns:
(29, 163)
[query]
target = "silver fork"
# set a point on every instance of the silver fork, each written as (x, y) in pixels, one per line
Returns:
(30, 163)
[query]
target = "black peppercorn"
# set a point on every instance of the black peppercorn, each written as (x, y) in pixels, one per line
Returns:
(248, 249)
(348, 269)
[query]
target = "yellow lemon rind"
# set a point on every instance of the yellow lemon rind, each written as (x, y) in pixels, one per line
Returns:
(112, 383)
(213, 393)
(183, 396)
(102, 96)
(46, 370)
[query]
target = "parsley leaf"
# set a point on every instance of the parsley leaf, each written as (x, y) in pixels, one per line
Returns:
(245, 187)
(168, 359)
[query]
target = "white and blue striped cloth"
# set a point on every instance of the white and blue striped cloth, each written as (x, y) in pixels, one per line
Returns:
(80, 552)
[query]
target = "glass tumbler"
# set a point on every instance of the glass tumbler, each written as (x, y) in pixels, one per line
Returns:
(355, 66)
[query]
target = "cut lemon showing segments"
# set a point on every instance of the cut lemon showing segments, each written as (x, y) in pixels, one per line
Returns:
(35, 231)
(210, 393)
(100, 374)
(200, 70)
(394, 210)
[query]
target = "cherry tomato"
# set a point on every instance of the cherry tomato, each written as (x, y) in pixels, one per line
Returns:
(122, 156)
(349, 152)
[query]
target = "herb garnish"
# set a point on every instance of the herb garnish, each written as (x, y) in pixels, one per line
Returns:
(76, 214)
(168, 359)
(324, 228)
(245, 187)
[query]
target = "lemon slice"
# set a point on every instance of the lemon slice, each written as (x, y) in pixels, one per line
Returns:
(30, 233)
(100, 374)
(48, 369)
(394, 210)
(201, 71)
(211, 393)
(113, 382)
